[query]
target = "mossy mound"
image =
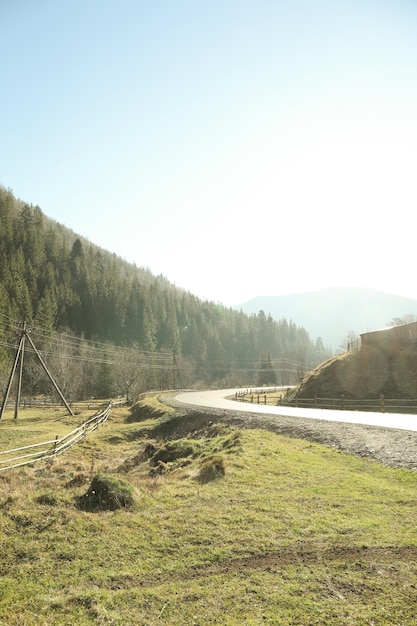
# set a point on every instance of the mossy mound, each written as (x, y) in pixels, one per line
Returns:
(107, 492)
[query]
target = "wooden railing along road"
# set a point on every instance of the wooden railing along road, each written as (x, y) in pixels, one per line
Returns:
(26, 455)
(381, 404)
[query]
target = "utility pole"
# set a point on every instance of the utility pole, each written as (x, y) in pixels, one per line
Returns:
(177, 370)
(19, 384)
(9, 383)
(20, 353)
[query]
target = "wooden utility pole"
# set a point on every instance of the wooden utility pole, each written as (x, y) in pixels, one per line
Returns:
(19, 384)
(177, 371)
(9, 383)
(20, 353)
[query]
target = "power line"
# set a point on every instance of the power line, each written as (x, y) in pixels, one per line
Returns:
(59, 344)
(89, 351)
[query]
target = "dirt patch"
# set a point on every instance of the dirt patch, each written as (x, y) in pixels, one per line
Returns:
(395, 448)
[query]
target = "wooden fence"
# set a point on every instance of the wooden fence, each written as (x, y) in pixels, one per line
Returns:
(258, 395)
(252, 397)
(379, 405)
(27, 455)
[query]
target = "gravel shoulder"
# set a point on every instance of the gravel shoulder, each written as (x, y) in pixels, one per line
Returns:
(395, 448)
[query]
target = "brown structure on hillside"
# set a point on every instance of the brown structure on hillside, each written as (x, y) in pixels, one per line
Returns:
(391, 339)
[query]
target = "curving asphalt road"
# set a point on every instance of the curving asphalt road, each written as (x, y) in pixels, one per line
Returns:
(224, 399)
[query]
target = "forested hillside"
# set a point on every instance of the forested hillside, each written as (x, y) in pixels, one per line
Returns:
(108, 327)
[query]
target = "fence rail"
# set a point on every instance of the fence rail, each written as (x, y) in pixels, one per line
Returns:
(378, 405)
(259, 395)
(54, 447)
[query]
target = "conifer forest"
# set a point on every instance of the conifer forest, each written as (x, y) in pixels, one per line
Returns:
(107, 328)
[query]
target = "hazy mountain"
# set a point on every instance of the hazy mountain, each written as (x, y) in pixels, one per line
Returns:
(332, 313)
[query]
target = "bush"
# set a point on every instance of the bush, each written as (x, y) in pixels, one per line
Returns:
(107, 493)
(212, 467)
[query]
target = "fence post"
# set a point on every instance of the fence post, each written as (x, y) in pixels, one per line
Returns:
(382, 403)
(55, 444)
(343, 402)
(265, 399)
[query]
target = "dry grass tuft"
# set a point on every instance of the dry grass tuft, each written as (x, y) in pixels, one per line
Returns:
(212, 468)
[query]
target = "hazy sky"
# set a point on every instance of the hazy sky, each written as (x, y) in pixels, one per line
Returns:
(237, 147)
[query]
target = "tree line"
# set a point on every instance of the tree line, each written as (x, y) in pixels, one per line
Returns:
(64, 285)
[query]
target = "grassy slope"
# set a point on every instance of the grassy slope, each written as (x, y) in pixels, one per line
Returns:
(295, 533)
(364, 374)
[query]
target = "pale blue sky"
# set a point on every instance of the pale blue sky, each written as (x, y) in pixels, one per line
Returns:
(237, 147)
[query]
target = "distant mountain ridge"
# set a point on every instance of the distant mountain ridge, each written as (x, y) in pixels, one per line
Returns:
(332, 313)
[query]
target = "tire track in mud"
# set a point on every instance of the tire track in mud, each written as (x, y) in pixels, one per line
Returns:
(302, 555)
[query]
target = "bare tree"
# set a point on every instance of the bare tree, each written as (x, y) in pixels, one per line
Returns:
(408, 318)
(352, 341)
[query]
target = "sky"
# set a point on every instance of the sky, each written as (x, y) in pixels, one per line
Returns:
(237, 147)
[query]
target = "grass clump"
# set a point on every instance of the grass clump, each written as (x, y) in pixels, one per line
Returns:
(212, 468)
(107, 492)
(174, 450)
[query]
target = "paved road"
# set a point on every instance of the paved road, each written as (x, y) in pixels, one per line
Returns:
(223, 399)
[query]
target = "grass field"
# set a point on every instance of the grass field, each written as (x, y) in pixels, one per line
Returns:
(293, 533)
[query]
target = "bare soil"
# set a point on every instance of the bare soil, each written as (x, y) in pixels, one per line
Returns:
(392, 447)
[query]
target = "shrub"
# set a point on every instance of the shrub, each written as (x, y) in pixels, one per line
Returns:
(107, 493)
(212, 467)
